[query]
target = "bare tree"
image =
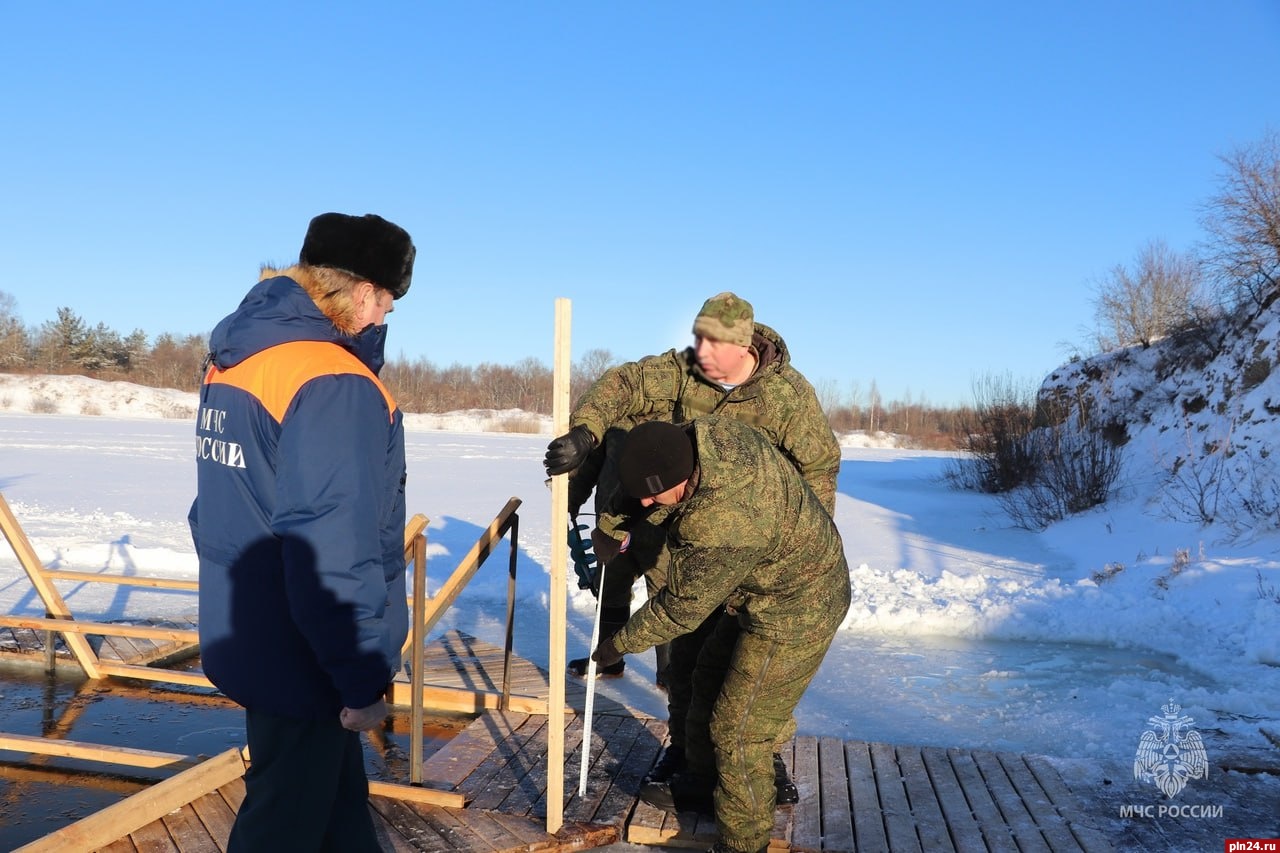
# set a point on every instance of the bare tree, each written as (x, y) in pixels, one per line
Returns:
(1242, 255)
(15, 342)
(592, 364)
(874, 410)
(1158, 296)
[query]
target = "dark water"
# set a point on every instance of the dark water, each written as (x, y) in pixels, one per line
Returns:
(40, 794)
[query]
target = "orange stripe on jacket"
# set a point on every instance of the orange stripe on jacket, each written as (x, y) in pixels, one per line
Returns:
(274, 375)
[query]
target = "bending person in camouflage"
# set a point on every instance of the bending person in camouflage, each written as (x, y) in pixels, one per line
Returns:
(753, 547)
(736, 368)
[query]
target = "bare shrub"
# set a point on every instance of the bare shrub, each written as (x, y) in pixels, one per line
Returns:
(1256, 493)
(43, 406)
(179, 412)
(526, 425)
(1107, 572)
(1267, 591)
(1217, 481)
(1075, 469)
(88, 408)
(1193, 489)
(999, 454)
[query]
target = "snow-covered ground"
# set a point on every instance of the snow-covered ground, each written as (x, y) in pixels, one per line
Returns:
(964, 630)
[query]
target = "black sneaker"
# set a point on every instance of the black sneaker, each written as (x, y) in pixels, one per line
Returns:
(785, 792)
(671, 763)
(679, 794)
(578, 667)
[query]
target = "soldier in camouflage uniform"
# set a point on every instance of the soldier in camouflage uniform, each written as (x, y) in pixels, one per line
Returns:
(736, 368)
(753, 546)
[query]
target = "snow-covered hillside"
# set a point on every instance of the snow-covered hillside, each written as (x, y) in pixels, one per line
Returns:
(1200, 415)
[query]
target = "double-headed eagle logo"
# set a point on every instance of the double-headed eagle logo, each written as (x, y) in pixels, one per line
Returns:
(1171, 752)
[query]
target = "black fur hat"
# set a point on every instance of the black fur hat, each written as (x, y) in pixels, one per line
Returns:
(367, 246)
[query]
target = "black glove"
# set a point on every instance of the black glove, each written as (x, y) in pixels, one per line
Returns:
(606, 654)
(567, 452)
(605, 546)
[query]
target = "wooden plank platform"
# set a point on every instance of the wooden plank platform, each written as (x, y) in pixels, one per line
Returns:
(26, 645)
(857, 796)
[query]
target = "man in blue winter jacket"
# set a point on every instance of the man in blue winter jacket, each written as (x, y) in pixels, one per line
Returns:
(299, 527)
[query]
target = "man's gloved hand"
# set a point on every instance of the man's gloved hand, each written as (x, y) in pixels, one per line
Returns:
(605, 546)
(363, 719)
(606, 654)
(568, 451)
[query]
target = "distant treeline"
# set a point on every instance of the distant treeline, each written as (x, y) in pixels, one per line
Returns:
(69, 345)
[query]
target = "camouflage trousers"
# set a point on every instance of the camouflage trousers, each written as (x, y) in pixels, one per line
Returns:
(745, 688)
(680, 668)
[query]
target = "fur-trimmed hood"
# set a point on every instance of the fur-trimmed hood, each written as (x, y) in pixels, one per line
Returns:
(278, 310)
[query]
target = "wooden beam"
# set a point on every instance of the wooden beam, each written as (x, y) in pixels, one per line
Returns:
(559, 556)
(470, 564)
(436, 606)
(53, 603)
(155, 673)
(414, 794)
(123, 755)
(123, 580)
(467, 701)
(416, 525)
(106, 629)
(116, 821)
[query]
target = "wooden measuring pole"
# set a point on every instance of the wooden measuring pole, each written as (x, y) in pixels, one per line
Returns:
(559, 592)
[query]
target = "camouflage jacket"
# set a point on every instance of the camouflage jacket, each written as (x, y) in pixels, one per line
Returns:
(750, 534)
(776, 400)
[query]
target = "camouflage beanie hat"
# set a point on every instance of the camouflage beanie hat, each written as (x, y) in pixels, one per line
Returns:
(725, 317)
(656, 456)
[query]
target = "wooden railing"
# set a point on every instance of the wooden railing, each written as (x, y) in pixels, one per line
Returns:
(426, 611)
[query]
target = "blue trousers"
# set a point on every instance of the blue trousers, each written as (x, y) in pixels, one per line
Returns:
(305, 789)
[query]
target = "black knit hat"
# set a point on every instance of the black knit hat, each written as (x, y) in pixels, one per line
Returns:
(655, 457)
(366, 246)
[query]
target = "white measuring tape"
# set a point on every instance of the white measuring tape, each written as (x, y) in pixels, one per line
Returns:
(591, 690)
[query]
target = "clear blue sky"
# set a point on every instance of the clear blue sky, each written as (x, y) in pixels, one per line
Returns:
(913, 193)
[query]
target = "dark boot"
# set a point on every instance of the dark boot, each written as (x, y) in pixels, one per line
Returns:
(578, 667)
(785, 790)
(682, 793)
(671, 763)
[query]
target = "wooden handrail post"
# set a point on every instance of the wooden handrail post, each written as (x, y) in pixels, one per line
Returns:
(505, 702)
(416, 659)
